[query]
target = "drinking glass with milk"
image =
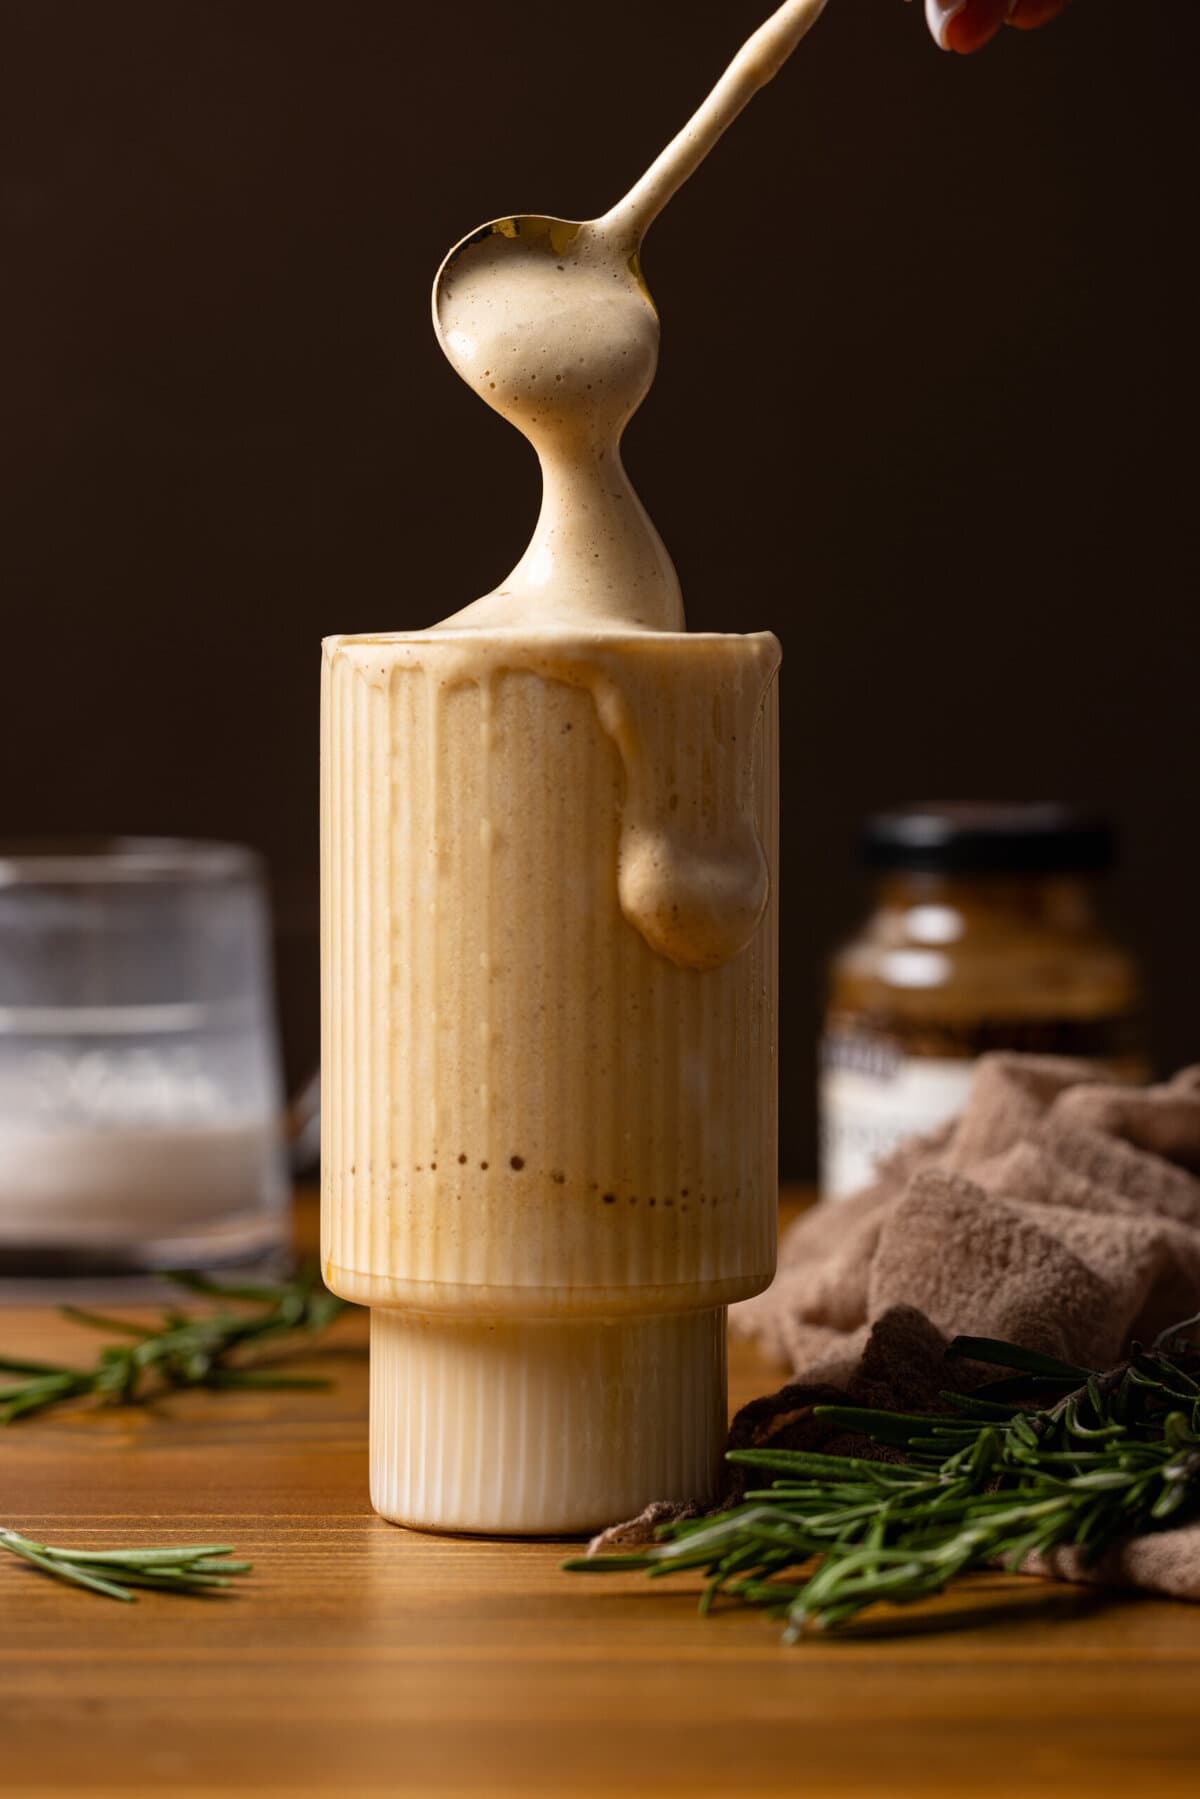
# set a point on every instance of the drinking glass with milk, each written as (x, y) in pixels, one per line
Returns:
(141, 1103)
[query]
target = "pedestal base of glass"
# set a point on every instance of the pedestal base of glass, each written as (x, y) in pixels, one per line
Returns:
(543, 1427)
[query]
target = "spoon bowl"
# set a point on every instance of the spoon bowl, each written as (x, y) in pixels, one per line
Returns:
(550, 322)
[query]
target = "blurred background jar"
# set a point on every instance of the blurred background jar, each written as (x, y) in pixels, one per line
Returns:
(141, 1105)
(985, 934)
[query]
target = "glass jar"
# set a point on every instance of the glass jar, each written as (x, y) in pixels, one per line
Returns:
(141, 1112)
(985, 935)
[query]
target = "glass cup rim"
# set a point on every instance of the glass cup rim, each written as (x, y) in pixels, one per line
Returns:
(46, 861)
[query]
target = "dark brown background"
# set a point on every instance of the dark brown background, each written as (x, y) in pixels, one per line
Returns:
(926, 407)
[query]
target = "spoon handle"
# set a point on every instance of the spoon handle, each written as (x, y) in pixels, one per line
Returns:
(760, 58)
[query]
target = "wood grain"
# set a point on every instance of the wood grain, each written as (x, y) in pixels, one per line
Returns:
(363, 1660)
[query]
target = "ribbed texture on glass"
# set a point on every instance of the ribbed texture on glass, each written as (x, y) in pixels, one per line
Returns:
(524, 1428)
(521, 1099)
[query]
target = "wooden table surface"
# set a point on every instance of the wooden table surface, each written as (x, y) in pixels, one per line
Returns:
(363, 1660)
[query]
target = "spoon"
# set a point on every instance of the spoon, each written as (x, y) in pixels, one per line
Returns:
(551, 323)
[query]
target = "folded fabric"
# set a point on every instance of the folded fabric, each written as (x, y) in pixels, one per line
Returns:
(1059, 1211)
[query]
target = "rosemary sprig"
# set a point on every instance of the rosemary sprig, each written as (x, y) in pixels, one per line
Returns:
(1116, 1455)
(179, 1349)
(182, 1568)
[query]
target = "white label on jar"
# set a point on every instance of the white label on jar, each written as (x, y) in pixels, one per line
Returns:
(866, 1112)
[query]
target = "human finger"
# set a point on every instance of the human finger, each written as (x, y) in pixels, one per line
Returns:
(966, 25)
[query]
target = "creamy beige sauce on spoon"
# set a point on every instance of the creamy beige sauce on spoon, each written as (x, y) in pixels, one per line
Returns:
(550, 322)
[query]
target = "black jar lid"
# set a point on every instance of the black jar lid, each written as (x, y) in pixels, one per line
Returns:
(986, 838)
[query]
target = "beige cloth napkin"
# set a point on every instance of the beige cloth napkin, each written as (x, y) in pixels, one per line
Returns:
(1059, 1211)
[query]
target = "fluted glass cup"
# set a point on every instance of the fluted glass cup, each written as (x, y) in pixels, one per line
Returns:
(548, 1147)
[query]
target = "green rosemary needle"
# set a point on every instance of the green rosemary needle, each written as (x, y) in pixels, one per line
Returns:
(1115, 1455)
(184, 1568)
(179, 1349)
